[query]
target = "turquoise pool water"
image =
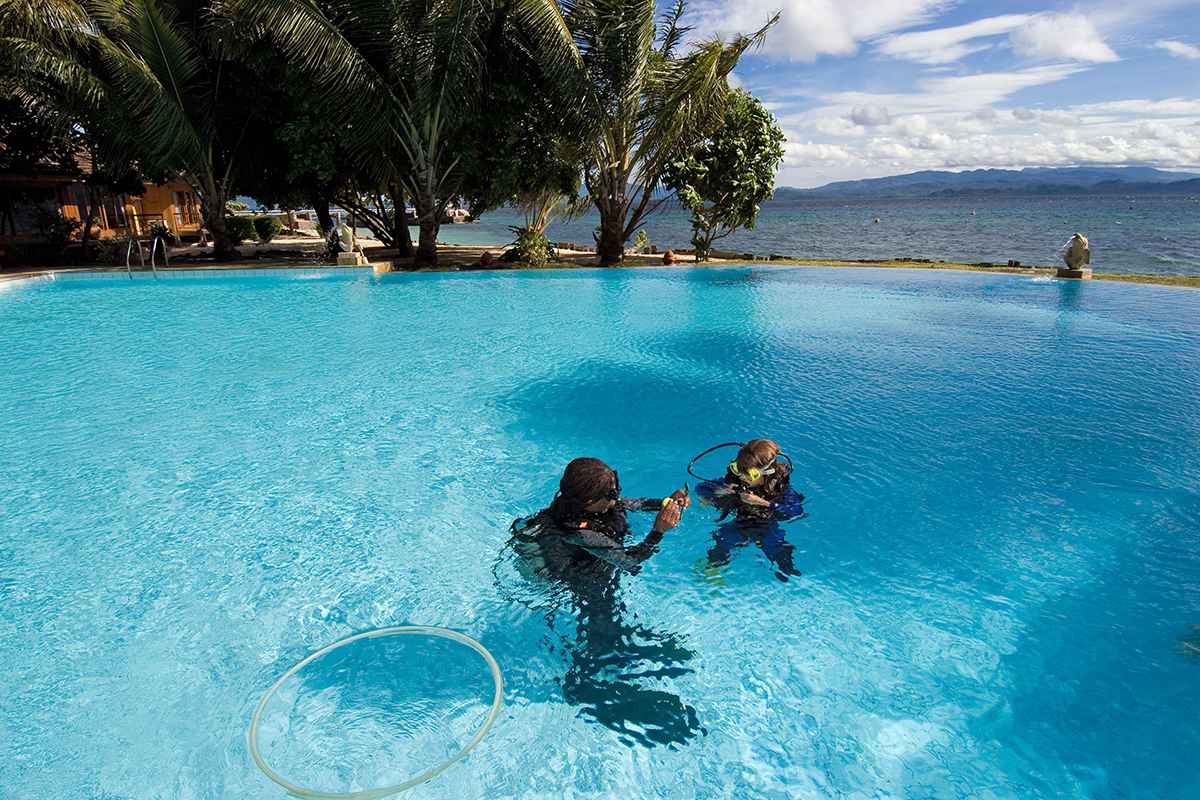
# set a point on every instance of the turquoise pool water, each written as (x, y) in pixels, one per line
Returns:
(206, 480)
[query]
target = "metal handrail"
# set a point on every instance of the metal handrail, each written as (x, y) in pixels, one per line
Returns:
(154, 243)
(129, 252)
(154, 246)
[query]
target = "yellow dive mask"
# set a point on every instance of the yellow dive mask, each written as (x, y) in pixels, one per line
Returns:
(750, 475)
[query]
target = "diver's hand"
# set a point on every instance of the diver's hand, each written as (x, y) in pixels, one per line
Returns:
(682, 497)
(754, 499)
(668, 517)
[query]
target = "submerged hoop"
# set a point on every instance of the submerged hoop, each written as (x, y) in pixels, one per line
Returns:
(300, 791)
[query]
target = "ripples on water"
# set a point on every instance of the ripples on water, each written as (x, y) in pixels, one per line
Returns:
(1137, 234)
(208, 480)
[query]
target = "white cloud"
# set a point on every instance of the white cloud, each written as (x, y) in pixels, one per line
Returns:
(870, 114)
(982, 120)
(889, 150)
(1055, 118)
(1062, 36)
(1171, 107)
(810, 28)
(889, 155)
(914, 125)
(836, 127)
(944, 97)
(797, 153)
(982, 151)
(933, 141)
(1154, 130)
(1179, 49)
(946, 45)
(1060, 118)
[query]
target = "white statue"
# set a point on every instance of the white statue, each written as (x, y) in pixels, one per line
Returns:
(1077, 253)
(347, 240)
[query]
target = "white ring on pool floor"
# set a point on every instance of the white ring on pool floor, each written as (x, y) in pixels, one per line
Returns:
(300, 791)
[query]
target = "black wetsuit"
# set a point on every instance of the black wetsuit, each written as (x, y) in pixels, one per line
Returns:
(611, 657)
(587, 543)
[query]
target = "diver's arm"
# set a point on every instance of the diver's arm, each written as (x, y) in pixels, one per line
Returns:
(681, 497)
(670, 511)
(603, 547)
(640, 503)
(712, 490)
(790, 505)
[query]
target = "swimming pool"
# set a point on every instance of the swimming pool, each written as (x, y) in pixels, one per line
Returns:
(208, 479)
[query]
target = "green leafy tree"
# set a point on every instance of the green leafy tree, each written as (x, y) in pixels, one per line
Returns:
(407, 79)
(298, 155)
(723, 179)
(34, 140)
(647, 102)
(145, 79)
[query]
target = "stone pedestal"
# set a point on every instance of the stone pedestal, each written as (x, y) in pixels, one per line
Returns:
(355, 260)
(1084, 274)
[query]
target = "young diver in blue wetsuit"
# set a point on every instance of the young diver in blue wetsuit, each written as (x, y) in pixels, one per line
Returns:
(757, 490)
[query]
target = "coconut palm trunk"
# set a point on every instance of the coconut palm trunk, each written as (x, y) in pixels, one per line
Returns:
(224, 249)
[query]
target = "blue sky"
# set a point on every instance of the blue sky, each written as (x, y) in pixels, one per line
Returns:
(868, 88)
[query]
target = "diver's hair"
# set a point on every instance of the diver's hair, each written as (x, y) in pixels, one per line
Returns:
(757, 453)
(584, 481)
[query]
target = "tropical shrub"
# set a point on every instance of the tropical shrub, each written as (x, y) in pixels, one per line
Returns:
(241, 229)
(57, 232)
(113, 250)
(267, 228)
(160, 230)
(531, 247)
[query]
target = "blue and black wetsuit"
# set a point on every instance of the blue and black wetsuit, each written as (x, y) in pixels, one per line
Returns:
(752, 522)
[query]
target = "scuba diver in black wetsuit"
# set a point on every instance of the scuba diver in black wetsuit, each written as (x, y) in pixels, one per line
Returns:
(579, 543)
(757, 490)
(586, 522)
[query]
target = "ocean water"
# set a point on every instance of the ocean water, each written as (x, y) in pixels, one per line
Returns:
(1136, 234)
(207, 479)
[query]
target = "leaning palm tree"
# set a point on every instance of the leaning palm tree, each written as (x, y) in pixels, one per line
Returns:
(406, 78)
(145, 78)
(648, 103)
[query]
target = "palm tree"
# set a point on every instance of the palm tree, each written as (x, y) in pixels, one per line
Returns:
(648, 103)
(145, 77)
(406, 78)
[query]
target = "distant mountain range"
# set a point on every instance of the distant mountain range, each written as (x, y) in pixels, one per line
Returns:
(1030, 181)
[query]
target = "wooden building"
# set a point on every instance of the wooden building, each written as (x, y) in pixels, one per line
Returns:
(173, 203)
